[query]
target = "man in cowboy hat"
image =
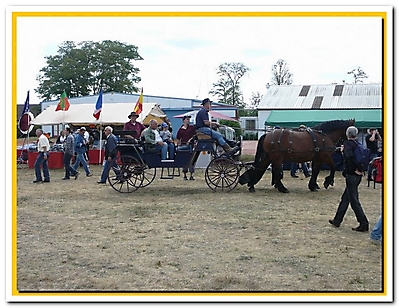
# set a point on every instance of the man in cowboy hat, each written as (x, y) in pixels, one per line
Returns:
(204, 125)
(135, 127)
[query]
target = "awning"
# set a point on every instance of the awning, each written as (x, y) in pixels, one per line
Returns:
(365, 118)
(82, 114)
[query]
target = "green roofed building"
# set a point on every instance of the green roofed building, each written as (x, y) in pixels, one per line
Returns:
(292, 105)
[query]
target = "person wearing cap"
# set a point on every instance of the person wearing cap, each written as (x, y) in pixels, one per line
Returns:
(80, 150)
(353, 177)
(204, 125)
(372, 139)
(183, 136)
(165, 133)
(153, 140)
(86, 135)
(134, 126)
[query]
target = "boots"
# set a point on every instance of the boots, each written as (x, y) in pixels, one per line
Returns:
(227, 148)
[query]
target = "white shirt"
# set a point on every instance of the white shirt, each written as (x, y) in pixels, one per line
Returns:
(86, 136)
(43, 143)
(157, 135)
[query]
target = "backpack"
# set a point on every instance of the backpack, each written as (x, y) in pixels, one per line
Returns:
(362, 157)
(377, 169)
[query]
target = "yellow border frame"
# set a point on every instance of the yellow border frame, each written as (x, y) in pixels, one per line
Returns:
(16, 15)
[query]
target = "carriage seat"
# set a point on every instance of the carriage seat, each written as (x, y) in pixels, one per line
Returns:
(202, 136)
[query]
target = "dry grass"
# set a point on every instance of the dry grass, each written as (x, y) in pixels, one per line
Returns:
(178, 235)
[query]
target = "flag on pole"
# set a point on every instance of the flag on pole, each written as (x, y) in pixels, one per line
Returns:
(26, 106)
(99, 105)
(64, 102)
(139, 105)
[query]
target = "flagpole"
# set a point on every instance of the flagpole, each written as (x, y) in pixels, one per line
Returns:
(101, 134)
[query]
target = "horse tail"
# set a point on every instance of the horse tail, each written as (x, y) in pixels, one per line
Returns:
(255, 174)
(259, 151)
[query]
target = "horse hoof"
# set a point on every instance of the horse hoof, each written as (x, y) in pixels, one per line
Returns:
(317, 187)
(251, 190)
(285, 191)
(313, 189)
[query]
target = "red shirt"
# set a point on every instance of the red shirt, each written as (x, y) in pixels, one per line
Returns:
(185, 133)
(137, 127)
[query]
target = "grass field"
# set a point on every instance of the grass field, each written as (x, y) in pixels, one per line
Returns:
(177, 235)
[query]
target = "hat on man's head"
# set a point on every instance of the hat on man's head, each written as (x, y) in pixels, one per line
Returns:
(206, 100)
(83, 128)
(164, 124)
(133, 114)
(186, 117)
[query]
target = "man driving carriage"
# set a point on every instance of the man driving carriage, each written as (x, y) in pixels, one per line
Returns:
(205, 126)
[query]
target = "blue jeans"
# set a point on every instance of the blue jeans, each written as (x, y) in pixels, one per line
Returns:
(376, 233)
(164, 150)
(40, 161)
(67, 165)
(81, 159)
(214, 134)
(108, 164)
(351, 195)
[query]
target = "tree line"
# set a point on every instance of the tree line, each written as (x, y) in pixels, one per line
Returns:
(84, 68)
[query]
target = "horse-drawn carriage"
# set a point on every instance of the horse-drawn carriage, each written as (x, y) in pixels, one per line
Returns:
(136, 165)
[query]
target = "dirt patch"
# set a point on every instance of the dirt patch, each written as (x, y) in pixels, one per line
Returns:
(179, 235)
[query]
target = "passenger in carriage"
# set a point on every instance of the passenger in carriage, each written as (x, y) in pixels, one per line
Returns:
(153, 140)
(184, 136)
(135, 126)
(165, 133)
(204, 125)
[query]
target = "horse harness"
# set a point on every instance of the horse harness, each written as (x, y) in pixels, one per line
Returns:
(312, 134)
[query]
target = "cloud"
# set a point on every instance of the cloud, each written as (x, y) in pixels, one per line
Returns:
(181, 54)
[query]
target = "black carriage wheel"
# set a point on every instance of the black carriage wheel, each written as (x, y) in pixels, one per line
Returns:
(127, 175)
(222, 174)
(148, 176)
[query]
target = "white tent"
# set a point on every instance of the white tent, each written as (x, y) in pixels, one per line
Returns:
(82, 114)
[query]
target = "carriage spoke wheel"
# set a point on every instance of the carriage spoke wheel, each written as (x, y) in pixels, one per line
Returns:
(148, 175)
(222, 174)
(125, 174)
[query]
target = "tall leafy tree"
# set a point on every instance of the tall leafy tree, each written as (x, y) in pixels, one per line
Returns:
(281, 74)
(227, 88)
(358, 74)
(82, 69)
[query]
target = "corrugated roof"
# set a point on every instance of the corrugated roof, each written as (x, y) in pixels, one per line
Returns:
(350, 96)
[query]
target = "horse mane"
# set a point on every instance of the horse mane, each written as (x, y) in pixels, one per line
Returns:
(333, 125)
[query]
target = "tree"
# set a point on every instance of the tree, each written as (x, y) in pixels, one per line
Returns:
(358, 74)
(82, 69)
(227, 89)
(281, 74)
(255, 99)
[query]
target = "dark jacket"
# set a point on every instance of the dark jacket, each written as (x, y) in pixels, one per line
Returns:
(110, 146)
(349, 157)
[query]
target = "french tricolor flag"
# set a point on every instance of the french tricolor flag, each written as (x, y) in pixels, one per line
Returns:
(99, 105)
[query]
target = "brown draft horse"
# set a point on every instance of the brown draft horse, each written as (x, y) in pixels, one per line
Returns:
(316, 144)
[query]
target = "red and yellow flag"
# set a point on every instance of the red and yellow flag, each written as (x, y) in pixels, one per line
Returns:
(64, 102)
(139, 105)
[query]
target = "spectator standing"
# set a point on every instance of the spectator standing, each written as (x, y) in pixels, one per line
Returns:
(80, 150)
(372, 140)
(43, 147)
(353, 177)
(68, 153)
(183, 136)
(111, 152)
(376, 233)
